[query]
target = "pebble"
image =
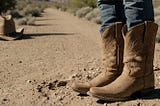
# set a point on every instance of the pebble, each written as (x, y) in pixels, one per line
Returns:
(72, 76)
(60, 98)
(61, 83)
(4, 99)
(29, 81)
(20, 61)
(105, 104)
(88, 77)
(51, 86)
(39, 88)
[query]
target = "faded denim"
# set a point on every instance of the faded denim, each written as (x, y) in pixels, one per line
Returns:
(130, 12)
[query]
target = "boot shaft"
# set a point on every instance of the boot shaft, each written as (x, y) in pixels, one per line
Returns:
(113, 45)
(139, 48)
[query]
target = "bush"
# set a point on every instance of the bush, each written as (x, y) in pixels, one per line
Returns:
(15, 13)
(31, 21)
(96, 20)
(93, 14)
(26, 21)
(6, 5)
(29, 10)
(83, 11)
(92, 3)
(22, 21)
(83, 3)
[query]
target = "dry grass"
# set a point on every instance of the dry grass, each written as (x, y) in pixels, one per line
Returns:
(83, 11)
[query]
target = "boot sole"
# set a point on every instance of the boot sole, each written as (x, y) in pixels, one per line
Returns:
(113, 99)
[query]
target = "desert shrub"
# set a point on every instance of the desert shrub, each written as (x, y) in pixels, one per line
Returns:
(72, 11)
(22, 21)
(78, 4)
(29, 10)
(21, 5)
(92, 3)
(83, 3)
(96, 20)
(27, 21)
(56, 5)
(93, 14)
(31, 21)
(83, 11)
(7, 5)
(15, 13)
(36, 12)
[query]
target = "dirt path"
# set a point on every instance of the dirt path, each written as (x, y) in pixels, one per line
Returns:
(39, 69)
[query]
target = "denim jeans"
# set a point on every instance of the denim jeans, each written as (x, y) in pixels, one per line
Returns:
(130, 12)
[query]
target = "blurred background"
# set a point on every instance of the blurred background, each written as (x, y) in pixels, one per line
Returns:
(26, 11)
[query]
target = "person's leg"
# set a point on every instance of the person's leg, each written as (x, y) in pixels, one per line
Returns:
(139, 44)
(138, 11)
(111, 11)
(112, 42)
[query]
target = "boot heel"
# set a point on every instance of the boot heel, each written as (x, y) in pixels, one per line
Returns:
(142, 93)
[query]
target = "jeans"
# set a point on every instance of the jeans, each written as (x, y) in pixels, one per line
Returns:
(130, 12)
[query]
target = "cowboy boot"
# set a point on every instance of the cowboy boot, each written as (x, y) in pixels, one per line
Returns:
(137, 75)
(112, 42)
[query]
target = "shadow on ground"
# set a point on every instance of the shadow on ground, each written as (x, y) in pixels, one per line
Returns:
(30, 36)
(44, 19)
(154, 94)
(42, 25)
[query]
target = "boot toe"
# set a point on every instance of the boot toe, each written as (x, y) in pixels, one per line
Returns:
(81, 88)
(94, 91)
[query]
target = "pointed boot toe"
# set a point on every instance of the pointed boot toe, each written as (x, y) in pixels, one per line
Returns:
(81, 88)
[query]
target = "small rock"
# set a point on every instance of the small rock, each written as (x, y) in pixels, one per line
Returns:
(20, 61)
(88, 77)
(43, 83)
(97, 69)
(89, 72)
(105, 104)
(4, 99)
(91, 68)
(72, 76)
(29, 81)
(140, 104)
(60, 98)
(51, 86)
(61, 83)
(39, 88)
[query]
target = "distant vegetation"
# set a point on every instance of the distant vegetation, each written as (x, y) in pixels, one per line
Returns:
(26, 11)
(88, 9)
(82, 8)
(6, 5)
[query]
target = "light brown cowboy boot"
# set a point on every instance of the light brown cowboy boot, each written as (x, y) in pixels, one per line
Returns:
(137, 75)
(112, 41)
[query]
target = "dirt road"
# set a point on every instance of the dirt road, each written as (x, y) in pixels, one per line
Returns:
(39, 69)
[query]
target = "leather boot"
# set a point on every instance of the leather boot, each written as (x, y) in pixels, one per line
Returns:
(137, 75)
(112, 42)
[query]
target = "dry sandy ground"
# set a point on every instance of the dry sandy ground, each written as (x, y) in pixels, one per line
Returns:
(39, 69)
